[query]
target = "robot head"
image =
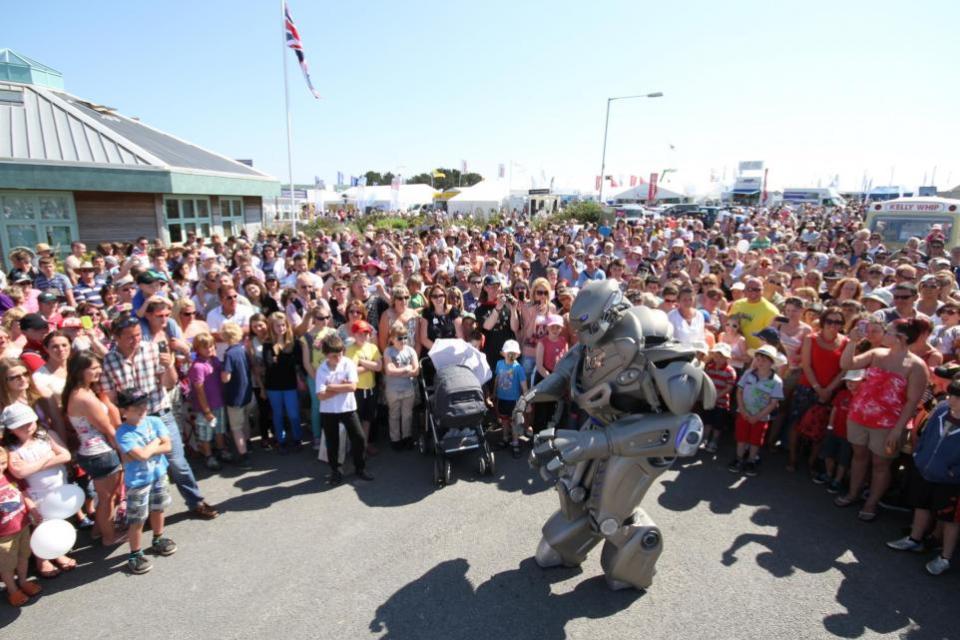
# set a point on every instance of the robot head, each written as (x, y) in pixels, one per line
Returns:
(594, 310)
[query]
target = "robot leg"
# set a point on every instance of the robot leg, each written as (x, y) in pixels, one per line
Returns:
(630, 553)
(566, 542)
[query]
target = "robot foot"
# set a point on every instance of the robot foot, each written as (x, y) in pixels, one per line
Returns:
(547, 556)
(629, 558)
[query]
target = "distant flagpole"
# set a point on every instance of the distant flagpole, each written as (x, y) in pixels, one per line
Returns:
(286, 102)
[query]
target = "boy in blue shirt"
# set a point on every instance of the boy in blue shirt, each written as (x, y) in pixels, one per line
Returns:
(143, 442)
(510, 383)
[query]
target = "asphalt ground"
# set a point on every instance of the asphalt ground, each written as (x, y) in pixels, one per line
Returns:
(764, 557)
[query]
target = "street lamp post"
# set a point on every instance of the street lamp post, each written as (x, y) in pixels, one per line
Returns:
(606, 126)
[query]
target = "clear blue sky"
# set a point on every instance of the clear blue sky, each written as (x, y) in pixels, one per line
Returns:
(814, 88)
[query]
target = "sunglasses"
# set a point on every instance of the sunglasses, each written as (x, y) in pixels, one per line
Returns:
(541, 292)
(16, 376)
(902, 297)
(188, 313)
(403, 337)
(754, 289)
(401, 297)
(438, 296)
(833, 321)
(323, 318)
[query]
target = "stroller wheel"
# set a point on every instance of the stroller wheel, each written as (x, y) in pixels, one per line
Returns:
(491, 465)
(482, 463)
(422, 444)
(447, 471)
(438, 475)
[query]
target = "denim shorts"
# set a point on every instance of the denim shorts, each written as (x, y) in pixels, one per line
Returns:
(836, 448)
(100, 465)
(142, 500)
(206, 429)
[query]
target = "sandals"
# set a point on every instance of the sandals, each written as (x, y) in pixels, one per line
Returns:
(867, 516)
(48, 573)
(30, 588)
(69, 564)
(18, 598)
(844, 501)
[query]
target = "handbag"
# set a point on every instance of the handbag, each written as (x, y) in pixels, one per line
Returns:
(813, 424)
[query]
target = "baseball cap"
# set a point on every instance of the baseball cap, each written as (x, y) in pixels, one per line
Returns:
(491, 279)
(150, 277)
(17, 415)
(723, 349)
(769, 352)
(131, 398)
(47, 296)
(738, 286)
(361, 326)
(511, 346)
(768, 335)
(33, 321)
(554, 320)
(677, 242)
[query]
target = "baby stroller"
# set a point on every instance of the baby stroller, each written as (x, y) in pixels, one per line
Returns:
(454, 409)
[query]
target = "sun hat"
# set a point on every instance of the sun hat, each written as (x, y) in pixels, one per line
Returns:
(85, 266)
(771, 353)
(882, 296)
(511, 346)
(723, 349)
(738, 286)
(17, 415)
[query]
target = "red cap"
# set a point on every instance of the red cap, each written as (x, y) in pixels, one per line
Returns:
(361, 326)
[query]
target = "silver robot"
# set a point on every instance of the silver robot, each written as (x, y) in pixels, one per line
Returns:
(639, 388)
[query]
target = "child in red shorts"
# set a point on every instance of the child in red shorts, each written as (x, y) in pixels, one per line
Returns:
(836, 451)
(759, 392)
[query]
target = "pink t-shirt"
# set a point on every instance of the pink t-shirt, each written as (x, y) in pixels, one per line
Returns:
(553, 350)
(207, 373)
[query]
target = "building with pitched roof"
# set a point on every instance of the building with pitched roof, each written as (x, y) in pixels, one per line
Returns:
(71, 169)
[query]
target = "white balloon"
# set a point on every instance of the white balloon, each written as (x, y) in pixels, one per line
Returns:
(62, 502)
(52, 539)
(743, 246)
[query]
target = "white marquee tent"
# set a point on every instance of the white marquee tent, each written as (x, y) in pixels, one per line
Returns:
(481, 197)
(386, 198)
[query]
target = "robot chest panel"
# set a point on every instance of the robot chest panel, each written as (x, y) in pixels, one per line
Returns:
(601, 365)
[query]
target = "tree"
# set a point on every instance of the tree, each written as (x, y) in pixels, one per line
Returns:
(451, 179)
(373, 178)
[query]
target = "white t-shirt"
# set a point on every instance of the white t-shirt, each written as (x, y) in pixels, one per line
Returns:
(346, 371)
(685, 332)
(241, 317)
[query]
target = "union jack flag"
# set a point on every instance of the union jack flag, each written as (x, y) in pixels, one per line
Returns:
(293, 41)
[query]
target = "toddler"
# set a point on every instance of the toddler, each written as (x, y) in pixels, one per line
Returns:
(510, 383)
(401, 367)
(836, 451)
(16, 512)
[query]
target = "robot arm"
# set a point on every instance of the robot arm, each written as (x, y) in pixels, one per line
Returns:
(659, 435)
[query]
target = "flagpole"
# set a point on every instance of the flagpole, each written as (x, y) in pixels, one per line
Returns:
(286, 103)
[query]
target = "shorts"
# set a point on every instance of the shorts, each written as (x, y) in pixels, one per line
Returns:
(142, 500)
(836, 448)
(239, 419)
(942, 499)
(366, 404)
(873, 439)
(100, 465)
(505, 407)
(750, 433)
(206, 429)
(719, 419)
(14, 548)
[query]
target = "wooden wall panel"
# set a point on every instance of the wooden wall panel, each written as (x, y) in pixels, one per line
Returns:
(115, 217)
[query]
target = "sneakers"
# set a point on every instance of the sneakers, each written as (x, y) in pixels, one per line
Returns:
(85, 523)
(938, 565)
(334, 478)
(821, 478)
(225, 456)
(139, 564)
(736, 466)
(834, 487)
(906, 544)
(163, 546)
(204, 511)
(244, 461)
(212, 463)
(751, 468)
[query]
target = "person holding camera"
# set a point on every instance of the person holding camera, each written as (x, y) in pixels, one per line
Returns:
(439, 319)
(497, 317)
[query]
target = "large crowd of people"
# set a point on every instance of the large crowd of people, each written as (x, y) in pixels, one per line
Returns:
(122, 365)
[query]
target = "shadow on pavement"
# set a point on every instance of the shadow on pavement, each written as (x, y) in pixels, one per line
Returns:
(513, 604)
(883, 591)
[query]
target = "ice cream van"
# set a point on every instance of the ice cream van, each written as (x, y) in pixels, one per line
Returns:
(903, 218)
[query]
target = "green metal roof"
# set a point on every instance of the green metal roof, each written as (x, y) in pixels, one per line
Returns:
(15, 67)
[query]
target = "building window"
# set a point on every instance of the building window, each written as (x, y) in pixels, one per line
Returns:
(186, 214)
(231, 214)
(29, 217)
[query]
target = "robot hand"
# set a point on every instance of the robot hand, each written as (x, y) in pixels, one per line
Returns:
(518, 411)
(569, 447)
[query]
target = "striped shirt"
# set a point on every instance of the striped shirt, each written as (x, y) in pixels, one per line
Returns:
(724, 380)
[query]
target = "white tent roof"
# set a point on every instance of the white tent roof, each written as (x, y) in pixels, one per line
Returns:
(408, 195)
(485, 195)
(640, 192)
